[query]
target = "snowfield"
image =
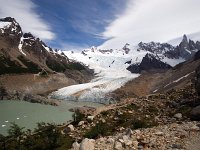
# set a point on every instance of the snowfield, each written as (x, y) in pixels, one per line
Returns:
(111, 73)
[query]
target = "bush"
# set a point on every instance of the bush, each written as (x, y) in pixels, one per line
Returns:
(77, 117)
(137, 124)
(101, 129)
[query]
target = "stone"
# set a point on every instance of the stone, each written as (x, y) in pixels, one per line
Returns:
(70, 127)
(159, 133)
(118, 146)
(129, 132)
(103, 120)
(110, 140)
(121, 140)
(178, 116)
(87, 144)
(91, 118)
(128, 142)
(176, 146)
(135, 144)
(75, 146)
(195, 113)
(81, 123)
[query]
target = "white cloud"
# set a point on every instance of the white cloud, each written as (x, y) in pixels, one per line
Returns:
(153, 20)
(24, 12)
(73, 47)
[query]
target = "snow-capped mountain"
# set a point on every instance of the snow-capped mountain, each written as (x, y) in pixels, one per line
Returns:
(114, 68)
(22, 52)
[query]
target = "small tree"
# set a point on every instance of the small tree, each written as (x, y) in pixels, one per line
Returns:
(16, 133)
(2, 142)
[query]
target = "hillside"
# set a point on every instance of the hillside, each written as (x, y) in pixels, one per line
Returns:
(30, 67)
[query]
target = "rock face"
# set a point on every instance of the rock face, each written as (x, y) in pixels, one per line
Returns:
(148, 63)
(158, 52)
(23, 53)
(187, 49)
(159, 48)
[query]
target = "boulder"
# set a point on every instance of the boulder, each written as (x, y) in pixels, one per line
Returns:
(118, 146)
(71, 127)
(87, 144)
(75, 146)
(195, 113)
(81, 123)
(178, 116)
(110, 140)
(91, 118)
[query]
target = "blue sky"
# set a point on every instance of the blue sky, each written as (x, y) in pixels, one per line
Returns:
(79, 24)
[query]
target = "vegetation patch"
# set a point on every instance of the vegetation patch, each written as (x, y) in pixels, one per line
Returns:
(45, 137)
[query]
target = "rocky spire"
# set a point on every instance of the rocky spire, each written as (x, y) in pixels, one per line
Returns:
(184, 38)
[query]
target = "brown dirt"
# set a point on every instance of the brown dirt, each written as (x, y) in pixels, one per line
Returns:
(148, 82)
(35, 84)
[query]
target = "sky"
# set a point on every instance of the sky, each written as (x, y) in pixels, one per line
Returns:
(80, 24)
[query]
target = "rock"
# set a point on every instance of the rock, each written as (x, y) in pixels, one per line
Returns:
(121, 141)
(135, 144)
(70, 127)
(110, 140)
(195, 128)
(129, 132)
(176, 146)
(125, 137)
(118, 146)
(81, 123)
(149, 62)
(138, 132)
(128, 142)
(159, 133)
(75, 146)
(195, 113)
(87, 144)
(91, 118)
(103, 120)
(178, 116)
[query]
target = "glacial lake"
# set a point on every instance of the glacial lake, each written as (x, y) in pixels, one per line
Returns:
(27, 114)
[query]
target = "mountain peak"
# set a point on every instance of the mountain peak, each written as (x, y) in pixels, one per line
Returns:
(185, 38)
(7, 19)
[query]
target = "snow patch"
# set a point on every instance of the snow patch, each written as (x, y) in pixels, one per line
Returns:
(20, 45)
(179, 79)
(5, 24)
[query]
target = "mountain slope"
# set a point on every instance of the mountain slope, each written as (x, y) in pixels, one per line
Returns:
(22, 52)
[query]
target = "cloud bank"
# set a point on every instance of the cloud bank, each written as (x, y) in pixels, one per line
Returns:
(153, 20)
(24, 12)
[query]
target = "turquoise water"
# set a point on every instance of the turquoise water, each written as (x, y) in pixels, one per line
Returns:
(27, 114)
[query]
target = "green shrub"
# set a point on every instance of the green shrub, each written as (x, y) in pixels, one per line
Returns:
(101, 129)
(77, 117)
(136, 124)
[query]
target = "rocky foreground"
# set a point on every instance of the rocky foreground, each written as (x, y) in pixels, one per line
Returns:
(155, 122)
(166, 137)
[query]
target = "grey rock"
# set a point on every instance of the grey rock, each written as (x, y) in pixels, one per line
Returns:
(178, 116)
